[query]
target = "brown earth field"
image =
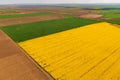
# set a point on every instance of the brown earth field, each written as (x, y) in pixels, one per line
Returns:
(27, 10)
(111, 18)
(76, 12)
(12, 21)
(15, 64)
(82, 13)
(22, 11)
(30, 9)
(91, 16)
(17, 12)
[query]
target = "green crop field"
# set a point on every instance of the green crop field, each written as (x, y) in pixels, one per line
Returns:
(24, 15)
(110, 13)
(22, 32)
(68, 15)
(113, 21)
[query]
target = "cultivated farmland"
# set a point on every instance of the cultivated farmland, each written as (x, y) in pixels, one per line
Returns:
(22, 20)
(110, 13)
(24, 15)
(14, 60)
(90, 52)
(59, 42)
(114, 21)
(22, 32)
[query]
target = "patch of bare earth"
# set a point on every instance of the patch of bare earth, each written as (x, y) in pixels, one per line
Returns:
(111, 18)
(91, 16)
(12, 21)
(117, 13)
(15, 64)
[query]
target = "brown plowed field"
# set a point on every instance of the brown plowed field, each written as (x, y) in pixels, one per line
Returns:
(12, 21)
(15, 65)
(91, 16)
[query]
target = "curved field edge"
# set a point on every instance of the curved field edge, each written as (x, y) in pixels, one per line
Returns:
(22, 32)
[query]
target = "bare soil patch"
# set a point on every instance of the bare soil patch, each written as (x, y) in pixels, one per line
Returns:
(15, 65)
(117, 13)
(91, 16)
(111, 18)
(21, 11)
(12, 21)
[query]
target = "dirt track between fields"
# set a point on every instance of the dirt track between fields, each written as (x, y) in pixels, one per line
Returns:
(12, 21)
(15, 65)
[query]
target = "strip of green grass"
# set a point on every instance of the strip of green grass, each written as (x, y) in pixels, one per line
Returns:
(68, 15)
(22, 32)
(9, 11)
(114, 21)
(24, 15)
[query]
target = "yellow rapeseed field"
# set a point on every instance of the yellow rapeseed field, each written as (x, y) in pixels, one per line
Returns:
(87, 53)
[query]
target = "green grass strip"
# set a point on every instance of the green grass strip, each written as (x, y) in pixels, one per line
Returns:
(24, 15)
(113, 21)
(68, 15)
(110, 13)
